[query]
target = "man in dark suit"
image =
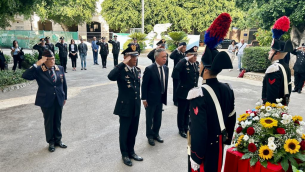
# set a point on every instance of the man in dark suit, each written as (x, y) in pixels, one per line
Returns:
(115, 49)
(186, 71)
(299, 69)
(104, 51)
(82, 48)
(63, 53)
(154, 94)
(128, 104)
(49, 45)
(94, 51)
(51, 95)
(177, 55)
(151, 54)
(40, 47)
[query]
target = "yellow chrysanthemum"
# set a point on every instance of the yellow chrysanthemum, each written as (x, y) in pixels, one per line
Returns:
(283, 107)
(303, 136)
(243, 117)
(297, 118)
(240, 138)
(292, 146)
(273, 105)
(268, 122)
(258, 107)
(265, 152)
(268, 104)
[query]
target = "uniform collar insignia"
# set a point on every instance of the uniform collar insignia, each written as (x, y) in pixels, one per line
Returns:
(126, 69)
(44, 69)
(127, 76)
(187, 63)
(56, 68)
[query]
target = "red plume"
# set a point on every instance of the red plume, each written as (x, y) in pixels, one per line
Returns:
(282, 23)
(220, 26)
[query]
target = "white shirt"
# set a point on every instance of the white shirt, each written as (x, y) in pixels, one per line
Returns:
(160, 73)
(16, 50)
(241, 47)
(72, 47)
(130, 68)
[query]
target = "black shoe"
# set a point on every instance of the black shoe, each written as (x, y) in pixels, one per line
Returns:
(136, 157)
(81, 69)
(182, 134)
(61, 144)
(85, 68)
(294, 90)
(159, 139)
(51, 147)
(299, 91)
(151, 142)
(66, 72)
(97, 64)
(127, 161)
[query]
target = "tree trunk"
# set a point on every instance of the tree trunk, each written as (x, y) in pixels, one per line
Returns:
(297, 37)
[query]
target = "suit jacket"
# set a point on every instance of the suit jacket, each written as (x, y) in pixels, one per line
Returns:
(177, 56)
(50, 46)
(205, 128)
(63, 49)
(115, 46)
(273, 83)
(188, 76)
(128, 103)
(40, 50)
(82, 48)
(47, 90)
(151, 85)
(299, 65)
(104, 48)
(94, 45)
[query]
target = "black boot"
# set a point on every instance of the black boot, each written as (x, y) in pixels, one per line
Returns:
(294, 90)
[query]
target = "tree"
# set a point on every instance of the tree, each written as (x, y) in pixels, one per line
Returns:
(184, 15)
(66, 12)
(263, 13)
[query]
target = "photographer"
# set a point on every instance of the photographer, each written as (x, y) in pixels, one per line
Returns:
(17, 55)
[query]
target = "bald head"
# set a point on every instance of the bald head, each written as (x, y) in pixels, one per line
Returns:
(242, 41)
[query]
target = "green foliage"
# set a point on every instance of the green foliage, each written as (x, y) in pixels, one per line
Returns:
(253, 161)
(264, 37)
(139, 36)
(285, 164)
(183, 15)
(175, 39)
(57, 59)
(8, 58)
(256, 59)
(9, 77)
(29, 60)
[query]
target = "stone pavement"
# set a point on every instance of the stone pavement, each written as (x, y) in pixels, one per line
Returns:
(91, 130)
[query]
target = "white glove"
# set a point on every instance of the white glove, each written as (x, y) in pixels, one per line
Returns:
(194, 165)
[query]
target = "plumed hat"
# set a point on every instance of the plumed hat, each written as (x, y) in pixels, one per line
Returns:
(280, 27)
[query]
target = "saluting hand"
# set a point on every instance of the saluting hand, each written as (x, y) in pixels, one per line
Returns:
(126, 60)
(41, 61)
(179, 48)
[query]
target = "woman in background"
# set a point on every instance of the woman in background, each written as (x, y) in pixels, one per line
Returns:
(16, 55)
(73, 54)
(232, 49)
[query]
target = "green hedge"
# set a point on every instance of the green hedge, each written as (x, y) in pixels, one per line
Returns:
(9, 77)
(256, 59)
(30, 59)
(8, 59)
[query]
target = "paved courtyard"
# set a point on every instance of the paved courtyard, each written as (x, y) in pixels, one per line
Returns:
(91, 131)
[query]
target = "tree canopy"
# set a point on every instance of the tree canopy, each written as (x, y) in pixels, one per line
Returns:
(184, 15)
(63, 12)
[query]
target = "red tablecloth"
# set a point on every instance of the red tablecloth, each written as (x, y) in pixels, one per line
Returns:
(234, 163)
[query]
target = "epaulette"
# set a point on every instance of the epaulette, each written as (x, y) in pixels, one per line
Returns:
(138, 69)
(56, 68)
(273, 68)
(195, 92)
(229, 85)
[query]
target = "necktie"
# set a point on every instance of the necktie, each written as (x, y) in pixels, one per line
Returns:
(52, 75)
(132, 71)
(162, 83)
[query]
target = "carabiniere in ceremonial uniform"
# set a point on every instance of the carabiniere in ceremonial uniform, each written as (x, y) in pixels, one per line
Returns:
(63, 52)
(128, 104)
(186, 71)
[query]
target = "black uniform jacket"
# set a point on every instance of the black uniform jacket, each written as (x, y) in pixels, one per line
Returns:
(176, 56)
(138, 49)
(128, 103)
(50, 46)
(188, 75)
(63, 49)
(299, 65)
(40, 49)
(47, 89)
(115, 46)
(104, 48)
(273, 83)
(205, 125)
(151, 85)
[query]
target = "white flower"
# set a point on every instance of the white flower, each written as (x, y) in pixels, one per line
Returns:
(299, 139)
(252, 114)
(287, 117)
(299, 132)
(279, 100)
(285, 121)
(246, 137)
(268, 108)
(302, 123)
(248, 122)
(243, 124)
(262, 115)
(267, 114)
(286, 108)
(270, 140)
(258, 103)
(256, 118)
(271, 146)
(275, 115)
(263, 107)
(251, 140)
(280, 104)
